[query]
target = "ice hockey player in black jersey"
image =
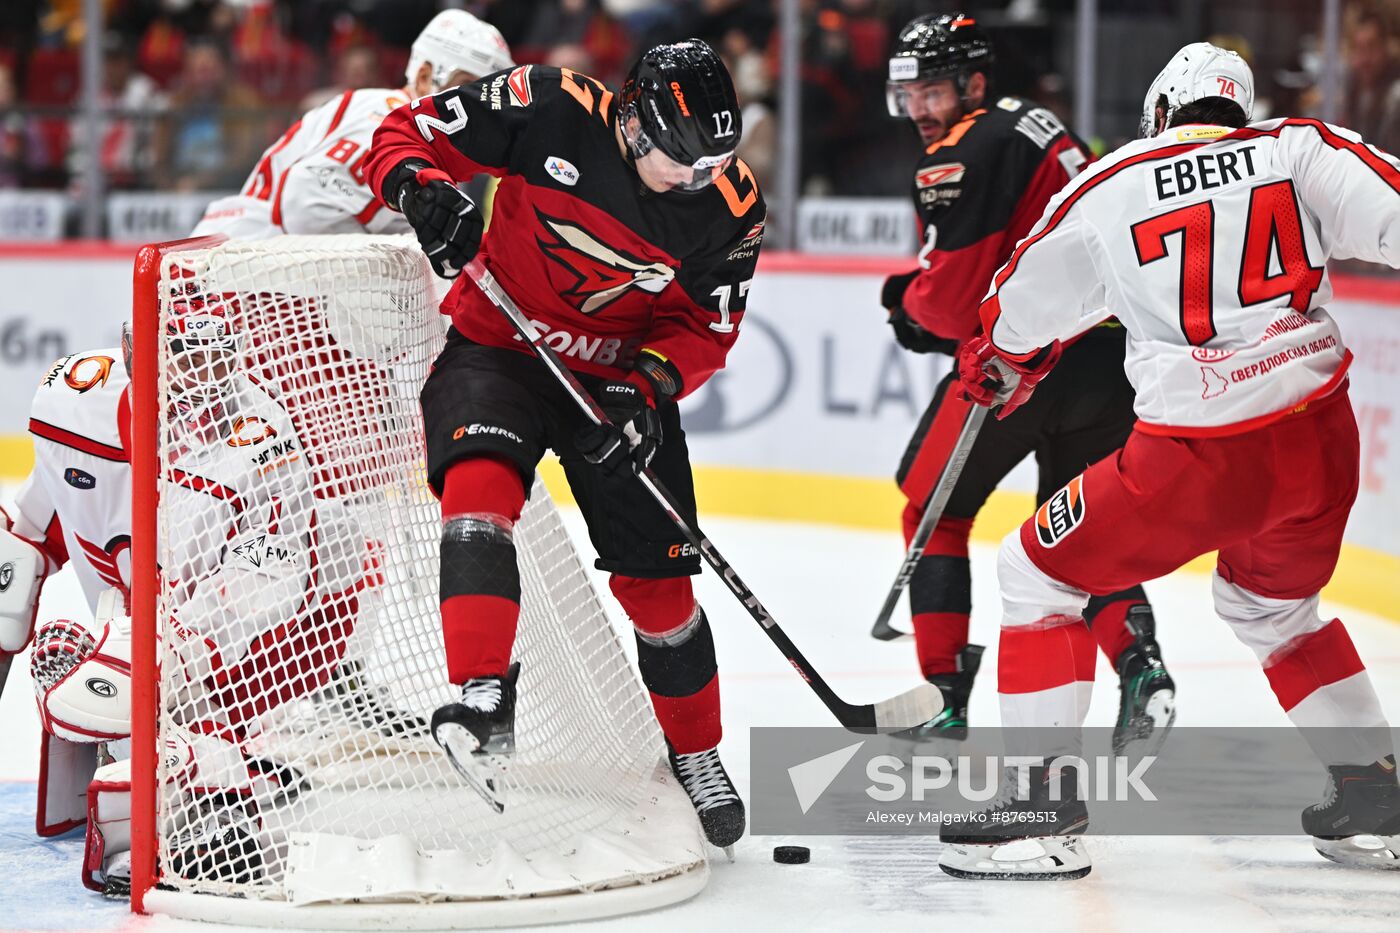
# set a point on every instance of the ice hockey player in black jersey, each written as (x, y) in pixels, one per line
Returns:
(628, 231)
(989, 167)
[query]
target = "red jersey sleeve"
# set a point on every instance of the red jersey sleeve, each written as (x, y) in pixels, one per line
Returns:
(463, 131)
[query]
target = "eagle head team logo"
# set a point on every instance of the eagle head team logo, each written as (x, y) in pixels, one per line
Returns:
(601, 273)
(88, 372)
(1062, 513)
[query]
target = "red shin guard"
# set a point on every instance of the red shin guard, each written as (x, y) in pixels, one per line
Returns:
(690, 723)
(479, 627)
(483, 485)
(1110, 631)
(1313, 661)
(1053, 652)
(654, 606)
(939, 593)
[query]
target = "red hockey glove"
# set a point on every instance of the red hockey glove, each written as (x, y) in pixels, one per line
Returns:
(990, 379)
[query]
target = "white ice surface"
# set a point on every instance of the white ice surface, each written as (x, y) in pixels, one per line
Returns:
(823, 585)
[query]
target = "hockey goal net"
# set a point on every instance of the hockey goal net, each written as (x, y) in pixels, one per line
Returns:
(287, 649)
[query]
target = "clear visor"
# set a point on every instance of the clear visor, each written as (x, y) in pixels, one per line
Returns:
(909, 99)
(660, 172)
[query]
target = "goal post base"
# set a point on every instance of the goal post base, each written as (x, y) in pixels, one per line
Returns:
(444, 915)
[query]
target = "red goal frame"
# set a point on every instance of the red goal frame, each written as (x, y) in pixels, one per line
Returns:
(145, 572)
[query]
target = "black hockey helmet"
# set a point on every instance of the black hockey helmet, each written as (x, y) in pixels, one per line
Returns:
(685, 107)
(933, 46)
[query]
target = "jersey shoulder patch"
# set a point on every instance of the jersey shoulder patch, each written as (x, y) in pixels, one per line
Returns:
(79, 394)
(738, 187)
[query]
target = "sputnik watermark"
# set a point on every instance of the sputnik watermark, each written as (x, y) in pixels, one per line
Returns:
(1115, 778)
(1201, 781)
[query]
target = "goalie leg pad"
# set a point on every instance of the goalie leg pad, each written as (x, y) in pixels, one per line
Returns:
(106, 858)
(676, 656)
(65, 768)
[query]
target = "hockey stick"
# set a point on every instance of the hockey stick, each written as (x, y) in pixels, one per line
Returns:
(911, 708)
(942, 490)
(933, 510)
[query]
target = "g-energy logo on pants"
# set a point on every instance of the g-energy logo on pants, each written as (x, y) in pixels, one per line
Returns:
(1062, 513)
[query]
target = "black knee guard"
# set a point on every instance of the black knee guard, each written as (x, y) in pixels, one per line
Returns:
(680, 662)
(478, 559)
(1097, 604)
(941, 583)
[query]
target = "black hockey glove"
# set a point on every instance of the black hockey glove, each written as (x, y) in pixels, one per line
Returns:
(892, 293)
(913, 337)
(634, 435)
(909, 334)
(448, 223)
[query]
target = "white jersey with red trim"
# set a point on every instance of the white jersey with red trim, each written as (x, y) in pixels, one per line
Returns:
(254, 548)
(311, 181)
(1210, 246)
(76, 504)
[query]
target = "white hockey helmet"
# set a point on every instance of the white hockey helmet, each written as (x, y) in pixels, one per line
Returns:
(457, 41)
(1198, 71)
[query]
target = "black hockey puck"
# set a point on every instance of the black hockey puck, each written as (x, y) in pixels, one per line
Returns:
(792, 855)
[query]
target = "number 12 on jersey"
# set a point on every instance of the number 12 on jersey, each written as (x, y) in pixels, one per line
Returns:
(1273, 224)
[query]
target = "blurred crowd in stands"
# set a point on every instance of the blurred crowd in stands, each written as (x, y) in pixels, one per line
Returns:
(192, 90)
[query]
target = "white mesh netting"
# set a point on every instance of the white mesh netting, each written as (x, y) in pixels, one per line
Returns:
(300, 649)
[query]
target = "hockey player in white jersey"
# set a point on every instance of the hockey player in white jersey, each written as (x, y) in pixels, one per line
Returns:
(1209, 239)
(263, 617)
(311, 180)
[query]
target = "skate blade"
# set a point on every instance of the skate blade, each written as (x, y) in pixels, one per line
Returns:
(483, 771)
(1371, 852)
(1146, 739)
(947, 744)
(1046, 858)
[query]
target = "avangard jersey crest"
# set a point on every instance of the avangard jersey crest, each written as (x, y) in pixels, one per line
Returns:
(587, 253)
(603, 274)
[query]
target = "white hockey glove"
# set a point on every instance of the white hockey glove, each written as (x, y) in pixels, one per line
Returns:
(23, 568)
(82, 684)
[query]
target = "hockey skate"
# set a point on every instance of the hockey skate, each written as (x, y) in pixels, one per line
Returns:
(1146, 692)
(218, 842)
(1011, 840)
(1358, 823)
(370, 705)
(478, 733)
(951, 724)
(716, 801)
